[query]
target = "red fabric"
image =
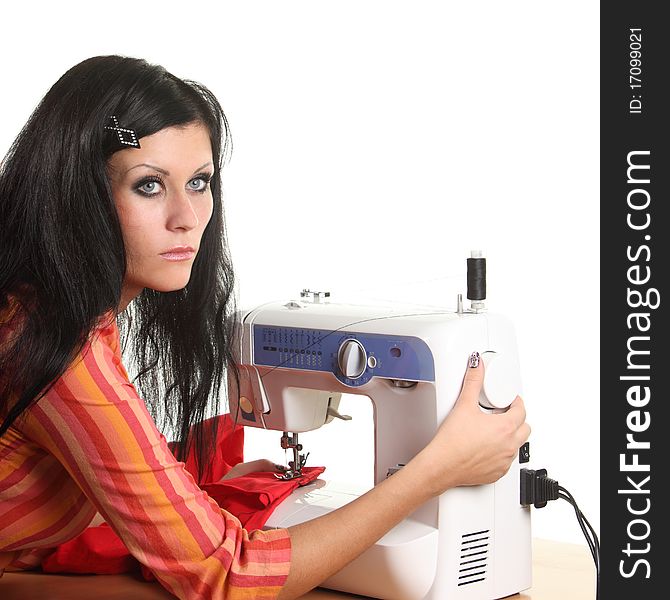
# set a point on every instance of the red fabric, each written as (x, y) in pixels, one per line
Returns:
(97, 550)
(229, 449)
(251, 498)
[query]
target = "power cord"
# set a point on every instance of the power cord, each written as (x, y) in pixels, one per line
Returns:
(538, 489)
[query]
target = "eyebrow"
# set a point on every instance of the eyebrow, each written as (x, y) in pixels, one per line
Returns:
(163, 171)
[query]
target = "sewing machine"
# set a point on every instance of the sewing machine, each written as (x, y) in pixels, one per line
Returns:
(298, 357)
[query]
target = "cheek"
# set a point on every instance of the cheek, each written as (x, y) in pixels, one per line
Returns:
(136, 225)
(205, 213)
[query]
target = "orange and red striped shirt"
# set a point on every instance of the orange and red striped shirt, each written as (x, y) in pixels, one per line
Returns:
(90, 445)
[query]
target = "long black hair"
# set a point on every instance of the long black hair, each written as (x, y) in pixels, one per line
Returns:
(62, 257)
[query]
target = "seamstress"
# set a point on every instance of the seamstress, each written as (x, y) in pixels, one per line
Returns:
(111, 214)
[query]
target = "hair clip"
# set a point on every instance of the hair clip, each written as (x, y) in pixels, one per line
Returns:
(126, 136)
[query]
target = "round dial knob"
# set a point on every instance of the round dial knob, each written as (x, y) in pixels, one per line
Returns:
(502, 380)
(352, 359)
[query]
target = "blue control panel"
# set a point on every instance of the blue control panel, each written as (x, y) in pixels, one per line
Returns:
(389, 356)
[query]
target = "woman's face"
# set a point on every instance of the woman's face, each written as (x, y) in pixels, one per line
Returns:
(163, 200)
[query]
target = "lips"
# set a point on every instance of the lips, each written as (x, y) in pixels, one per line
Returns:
(178, 253)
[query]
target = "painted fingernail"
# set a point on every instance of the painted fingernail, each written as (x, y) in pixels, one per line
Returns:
(474, 360)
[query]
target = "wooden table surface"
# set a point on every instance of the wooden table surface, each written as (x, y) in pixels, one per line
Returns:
(560, 571)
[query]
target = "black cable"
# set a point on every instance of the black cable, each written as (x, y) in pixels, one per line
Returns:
(537, 489)
(590, 536)
(594, 544)
(589, 533)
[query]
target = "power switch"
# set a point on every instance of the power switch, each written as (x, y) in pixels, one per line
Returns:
(524, 453)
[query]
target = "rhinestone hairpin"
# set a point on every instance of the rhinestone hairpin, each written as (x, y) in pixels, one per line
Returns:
(126, 136)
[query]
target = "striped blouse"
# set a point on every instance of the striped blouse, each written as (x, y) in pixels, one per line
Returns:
(90, 445)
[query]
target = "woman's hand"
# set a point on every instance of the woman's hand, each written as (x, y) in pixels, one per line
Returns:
(253, 466)
(472, 446)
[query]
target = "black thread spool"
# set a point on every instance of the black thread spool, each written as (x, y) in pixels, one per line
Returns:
(476, 278)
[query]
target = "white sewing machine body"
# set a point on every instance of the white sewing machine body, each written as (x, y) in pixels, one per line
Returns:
(471, 542)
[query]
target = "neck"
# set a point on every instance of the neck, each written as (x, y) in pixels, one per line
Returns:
(127, 296)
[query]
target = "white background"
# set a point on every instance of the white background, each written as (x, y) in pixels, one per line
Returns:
(376, 144)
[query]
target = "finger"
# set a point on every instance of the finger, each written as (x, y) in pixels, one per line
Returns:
(523, 433)
(517, 411)
(473, 379)
(260, 464)
(264, 464)
(521, 436)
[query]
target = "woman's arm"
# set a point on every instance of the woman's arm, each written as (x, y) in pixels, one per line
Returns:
(471, 447)
(97, 427)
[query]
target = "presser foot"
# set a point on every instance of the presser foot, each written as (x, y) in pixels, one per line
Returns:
(291, 472)
(294, 469)
(288, 475)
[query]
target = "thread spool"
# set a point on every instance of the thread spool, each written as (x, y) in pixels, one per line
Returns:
(476, 276)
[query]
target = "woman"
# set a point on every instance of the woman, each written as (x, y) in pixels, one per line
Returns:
(110, 209)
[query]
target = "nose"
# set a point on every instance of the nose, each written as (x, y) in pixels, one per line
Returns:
(181, 212)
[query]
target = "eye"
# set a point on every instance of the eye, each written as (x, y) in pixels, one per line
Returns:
(199, 183)
(149, 186)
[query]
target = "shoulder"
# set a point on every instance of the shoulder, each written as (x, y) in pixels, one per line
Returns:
(100, 358)
(106, 331)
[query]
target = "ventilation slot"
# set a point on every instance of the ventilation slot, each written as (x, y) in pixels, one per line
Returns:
(474, 556)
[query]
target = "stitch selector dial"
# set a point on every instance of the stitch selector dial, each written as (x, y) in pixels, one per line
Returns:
(352, 358)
